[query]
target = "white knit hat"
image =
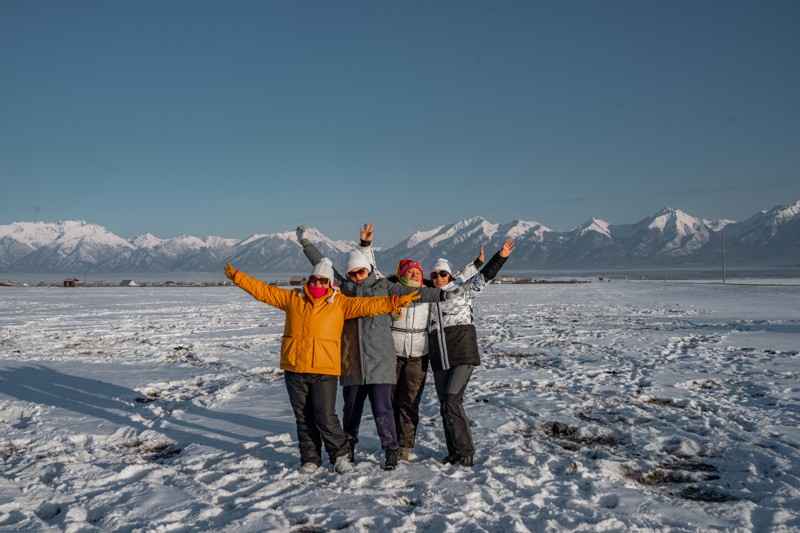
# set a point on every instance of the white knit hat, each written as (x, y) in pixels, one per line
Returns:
(323, 269)
(356, 260)
(442, 264)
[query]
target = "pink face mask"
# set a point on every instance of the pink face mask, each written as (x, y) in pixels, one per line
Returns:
(316, 292)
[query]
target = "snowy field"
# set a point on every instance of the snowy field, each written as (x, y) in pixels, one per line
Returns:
(600, 407)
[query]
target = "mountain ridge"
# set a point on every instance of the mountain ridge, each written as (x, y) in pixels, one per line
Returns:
(769, 238)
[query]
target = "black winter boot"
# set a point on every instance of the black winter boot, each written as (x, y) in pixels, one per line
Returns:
(465, 461)
(451, 459)
(391, 459)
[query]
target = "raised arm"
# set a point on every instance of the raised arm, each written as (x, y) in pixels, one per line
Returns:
(497, 260)
(471, 268)
(312, 253)
(366, 233)
(263, 292)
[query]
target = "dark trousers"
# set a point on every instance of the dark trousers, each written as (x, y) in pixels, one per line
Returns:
(406, 397)
(450, 386)
(380, 399)
(313, 399)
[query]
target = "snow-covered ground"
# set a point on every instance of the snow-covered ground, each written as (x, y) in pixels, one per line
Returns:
(600, 407)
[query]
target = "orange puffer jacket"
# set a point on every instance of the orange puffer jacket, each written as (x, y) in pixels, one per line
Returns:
(313, 330)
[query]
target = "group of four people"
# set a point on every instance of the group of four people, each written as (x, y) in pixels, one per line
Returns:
(378, 336)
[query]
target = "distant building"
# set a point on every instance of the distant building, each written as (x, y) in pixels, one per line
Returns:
(297, 281)
(73, 282)
(7, 283)
(128, 283)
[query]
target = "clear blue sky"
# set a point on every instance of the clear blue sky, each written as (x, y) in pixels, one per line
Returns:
(240, 117)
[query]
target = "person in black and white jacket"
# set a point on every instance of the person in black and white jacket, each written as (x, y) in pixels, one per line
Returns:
(453, 346)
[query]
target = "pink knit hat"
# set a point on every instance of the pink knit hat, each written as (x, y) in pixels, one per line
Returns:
(407, 264)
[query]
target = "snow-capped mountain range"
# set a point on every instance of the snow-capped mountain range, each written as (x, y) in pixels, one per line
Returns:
(770, 238)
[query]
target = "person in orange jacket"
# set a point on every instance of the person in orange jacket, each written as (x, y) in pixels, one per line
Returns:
(311, 355)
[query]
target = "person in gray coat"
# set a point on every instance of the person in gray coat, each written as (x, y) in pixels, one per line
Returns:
(368, 356)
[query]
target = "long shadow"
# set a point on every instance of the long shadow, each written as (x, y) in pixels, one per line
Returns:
(107, 401)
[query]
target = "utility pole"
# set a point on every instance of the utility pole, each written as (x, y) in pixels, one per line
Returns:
(723, 258)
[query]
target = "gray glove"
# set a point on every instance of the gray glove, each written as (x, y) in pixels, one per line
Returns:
(302, 234)
(455, 293)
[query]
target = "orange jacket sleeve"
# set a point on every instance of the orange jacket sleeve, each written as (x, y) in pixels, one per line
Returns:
(263, 292)
(356, 307)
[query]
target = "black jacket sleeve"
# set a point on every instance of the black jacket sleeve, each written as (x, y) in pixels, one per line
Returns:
(493, 266)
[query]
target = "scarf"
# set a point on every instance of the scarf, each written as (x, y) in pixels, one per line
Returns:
(408, 282)
(316, 292)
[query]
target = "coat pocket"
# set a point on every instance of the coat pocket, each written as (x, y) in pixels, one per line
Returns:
(327, 355)
(289, 351)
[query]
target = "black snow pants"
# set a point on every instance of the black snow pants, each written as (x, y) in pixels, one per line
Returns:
(406, 397)
(450, 386)
(313, 399)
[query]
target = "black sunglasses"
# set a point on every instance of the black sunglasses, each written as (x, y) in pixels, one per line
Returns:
(440, 274)
(359, 272)
(317, 279)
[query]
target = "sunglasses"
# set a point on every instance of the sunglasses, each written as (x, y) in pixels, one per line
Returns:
(361, 272)
(440, 274)
(317, 279)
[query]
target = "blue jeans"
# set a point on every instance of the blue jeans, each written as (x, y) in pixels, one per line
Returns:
(380, 399)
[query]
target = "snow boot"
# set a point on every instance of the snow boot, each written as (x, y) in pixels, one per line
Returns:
(465, 461)
(451, 459)
(308, 468)
(343, 465)
(403, 453)
(391, 459)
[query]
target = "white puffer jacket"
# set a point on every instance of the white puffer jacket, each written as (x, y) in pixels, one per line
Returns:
(410, 331)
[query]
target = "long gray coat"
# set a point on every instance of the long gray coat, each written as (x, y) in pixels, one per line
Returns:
(368, 356)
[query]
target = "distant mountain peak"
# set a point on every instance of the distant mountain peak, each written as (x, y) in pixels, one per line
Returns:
(783, 213)
(595, 225)
(148, 240)
(676, 218)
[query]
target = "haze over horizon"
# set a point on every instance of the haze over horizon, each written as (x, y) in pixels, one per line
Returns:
(211, 118)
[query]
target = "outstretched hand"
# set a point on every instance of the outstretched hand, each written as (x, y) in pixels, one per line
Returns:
(230, 271)
(366, 232)
(407, 299)
(302, 232)
(507, 248)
